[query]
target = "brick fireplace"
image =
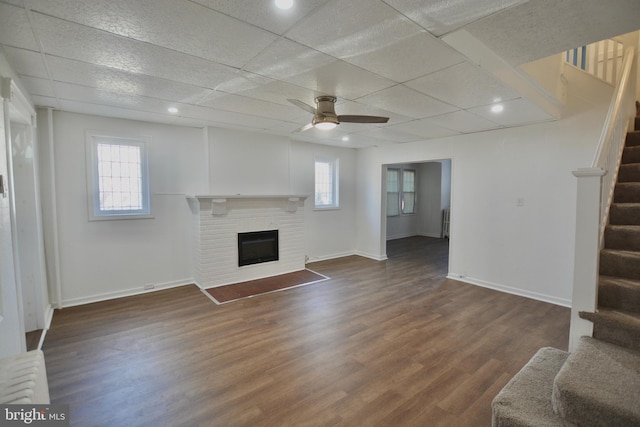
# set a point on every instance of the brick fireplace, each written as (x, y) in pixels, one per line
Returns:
(218, 220)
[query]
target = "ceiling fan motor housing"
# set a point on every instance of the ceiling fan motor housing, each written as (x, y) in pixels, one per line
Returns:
(325, 112)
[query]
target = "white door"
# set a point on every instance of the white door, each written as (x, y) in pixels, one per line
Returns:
(12, 340)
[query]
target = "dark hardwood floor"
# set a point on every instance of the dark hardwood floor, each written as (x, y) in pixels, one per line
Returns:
(382, 343)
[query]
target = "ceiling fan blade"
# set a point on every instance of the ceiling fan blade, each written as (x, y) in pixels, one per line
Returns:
(363, 119)
(303, 128)
(302, 105)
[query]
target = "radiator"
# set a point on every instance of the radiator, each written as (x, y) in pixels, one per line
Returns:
(23, 379)
(445, 223)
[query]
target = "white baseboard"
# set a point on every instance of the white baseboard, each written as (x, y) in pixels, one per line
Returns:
(331, 256)
(401, 236)
(436, 236)
(372, 256)
(510, 290)
(126, 293)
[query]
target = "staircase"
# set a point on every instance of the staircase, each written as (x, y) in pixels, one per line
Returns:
(598, 384)
(618, 317)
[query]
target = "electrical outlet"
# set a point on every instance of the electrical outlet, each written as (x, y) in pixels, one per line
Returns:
(149, 286)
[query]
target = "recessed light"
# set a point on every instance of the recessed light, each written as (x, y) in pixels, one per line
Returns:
(498, 108)
(284, 4)
(345, 138)
(172, 110)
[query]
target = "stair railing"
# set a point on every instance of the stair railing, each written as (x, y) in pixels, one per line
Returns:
(602, 59)
(594, 195)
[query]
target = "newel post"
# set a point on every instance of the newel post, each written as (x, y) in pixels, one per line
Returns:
(585, 268)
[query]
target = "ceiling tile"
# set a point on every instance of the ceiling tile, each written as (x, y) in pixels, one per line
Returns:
(242, 104)
(279, 93)
(463, 121)
(423, 128)
(354, 141)
(318, 134)
(65, 39)
(112, 111)
(286, 58)
(363, 140)
(15, 29)
(341, 79)
(443, 16)
(263, 13)
(408, 58)
(536, 29)
(407, 102)
(66, 91)
(38, 86)
(516, 112)
(26, 62)
(346, 28)
(112, 80)
(390, 134)
(178, 25)
(463, 85)
(220, 117)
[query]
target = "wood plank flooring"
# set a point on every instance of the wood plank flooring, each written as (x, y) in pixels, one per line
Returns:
(380, 344)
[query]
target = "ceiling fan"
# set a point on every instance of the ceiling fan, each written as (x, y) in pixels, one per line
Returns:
(325, 117)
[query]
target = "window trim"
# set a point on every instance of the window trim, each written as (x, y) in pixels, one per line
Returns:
(93, 139)
(335, 164)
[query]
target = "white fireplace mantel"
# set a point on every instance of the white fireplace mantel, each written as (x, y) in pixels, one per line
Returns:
(245, 196)
(219, 202)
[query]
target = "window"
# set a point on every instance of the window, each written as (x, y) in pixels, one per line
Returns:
(401, 192)
(118, 177)
(326, 183)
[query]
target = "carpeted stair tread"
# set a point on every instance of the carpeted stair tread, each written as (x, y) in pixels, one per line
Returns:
(627, 192)
(629, 173)
(623, 237)
(633, 139)
(624, 214)
(588, 390)
(526, 399)
(631, 154)
(620, 263)
(620, 294)
(615, 326)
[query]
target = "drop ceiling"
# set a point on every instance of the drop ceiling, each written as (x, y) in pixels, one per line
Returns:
(234, 64)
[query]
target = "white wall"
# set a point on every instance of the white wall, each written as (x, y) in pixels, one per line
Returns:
(107, 259)
(247, 163)
(430, 202)
(526, 250)
(258, 164)
(328, 233)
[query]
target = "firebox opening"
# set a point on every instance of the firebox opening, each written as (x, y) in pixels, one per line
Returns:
(257, 246)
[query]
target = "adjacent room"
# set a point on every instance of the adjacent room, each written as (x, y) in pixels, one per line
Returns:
(320, 212)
